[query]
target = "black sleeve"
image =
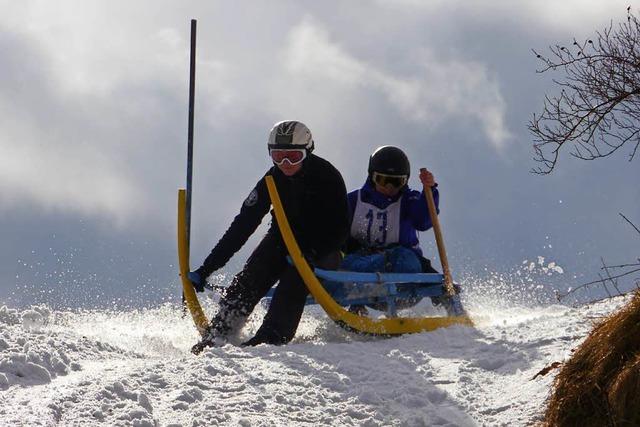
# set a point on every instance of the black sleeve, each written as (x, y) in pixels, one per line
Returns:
(333, 205)
(352, 245)
(254, 208)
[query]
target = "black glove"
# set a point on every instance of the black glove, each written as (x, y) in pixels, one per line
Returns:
(196, 280)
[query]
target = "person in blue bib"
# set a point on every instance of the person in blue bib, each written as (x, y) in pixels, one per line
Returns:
(385, 217)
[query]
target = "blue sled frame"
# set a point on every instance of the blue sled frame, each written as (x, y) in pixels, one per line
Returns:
(386, 292)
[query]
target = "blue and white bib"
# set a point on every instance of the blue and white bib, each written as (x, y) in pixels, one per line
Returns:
(373, 227)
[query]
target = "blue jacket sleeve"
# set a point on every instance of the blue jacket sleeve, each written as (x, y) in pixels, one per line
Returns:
(417, 208)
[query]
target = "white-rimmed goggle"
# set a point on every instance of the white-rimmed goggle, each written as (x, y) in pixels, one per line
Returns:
(292, 155)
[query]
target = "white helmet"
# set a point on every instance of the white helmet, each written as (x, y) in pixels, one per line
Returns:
(290, 134)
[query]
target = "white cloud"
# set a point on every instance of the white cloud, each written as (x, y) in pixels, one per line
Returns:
(80, 116)
(126, 65)
(565, 16)
(38, 167)
(438, 90)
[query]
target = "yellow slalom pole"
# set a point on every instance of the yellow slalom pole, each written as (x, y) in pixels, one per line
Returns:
(190, 297)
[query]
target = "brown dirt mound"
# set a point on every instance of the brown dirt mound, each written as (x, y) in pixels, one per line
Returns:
(600, 384)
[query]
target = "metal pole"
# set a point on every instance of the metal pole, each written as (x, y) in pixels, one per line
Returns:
(192, 90)
(192, 93)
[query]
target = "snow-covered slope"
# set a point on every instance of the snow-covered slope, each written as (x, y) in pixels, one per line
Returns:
(134, 368)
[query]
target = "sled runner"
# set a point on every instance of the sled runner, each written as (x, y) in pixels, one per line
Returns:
(390, 290)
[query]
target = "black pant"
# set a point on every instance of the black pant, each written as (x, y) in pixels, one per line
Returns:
(266, 266)
(426, 265)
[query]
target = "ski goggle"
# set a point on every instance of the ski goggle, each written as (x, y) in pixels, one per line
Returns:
(293, 156)
(383, 180)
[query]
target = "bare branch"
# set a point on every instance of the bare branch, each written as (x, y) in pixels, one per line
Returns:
(601, 281)
(632, 224)
(625, 265)
(613, 281)
(598, 109)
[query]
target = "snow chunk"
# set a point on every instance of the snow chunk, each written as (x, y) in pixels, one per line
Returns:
(190, 396)
(36, 318)
(553, 266)
(119, 390)
(18, 370)
(29, 355)
(143, 400)
(9, 316)
(541, 267)
(4, 382)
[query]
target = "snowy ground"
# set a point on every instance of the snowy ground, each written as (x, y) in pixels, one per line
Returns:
(134, 368)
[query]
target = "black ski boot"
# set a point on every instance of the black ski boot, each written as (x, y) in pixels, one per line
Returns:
(210, 339)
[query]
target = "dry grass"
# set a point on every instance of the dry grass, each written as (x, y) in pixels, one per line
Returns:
(600, 384)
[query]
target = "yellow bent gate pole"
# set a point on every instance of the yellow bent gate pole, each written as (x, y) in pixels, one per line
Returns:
(189, 293)
(388, 326)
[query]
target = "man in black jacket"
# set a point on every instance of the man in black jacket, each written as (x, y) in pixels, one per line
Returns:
(314, 199)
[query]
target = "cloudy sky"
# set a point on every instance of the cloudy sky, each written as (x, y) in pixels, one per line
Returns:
(93, 129)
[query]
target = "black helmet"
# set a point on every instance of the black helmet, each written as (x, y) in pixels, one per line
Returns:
(290, 134)
(389, 160)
